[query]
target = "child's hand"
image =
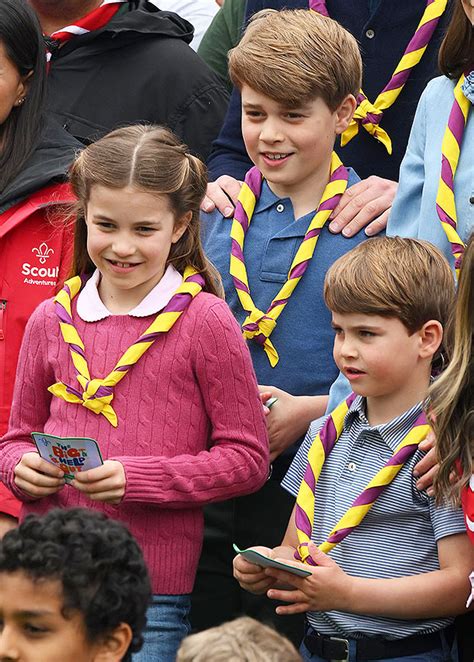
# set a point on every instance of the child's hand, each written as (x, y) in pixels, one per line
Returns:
(327, 588)
(36, 477)
(252, 577)
(105, 483)
(427, 468)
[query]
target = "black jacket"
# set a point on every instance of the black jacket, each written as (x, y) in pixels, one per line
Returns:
(138, 68)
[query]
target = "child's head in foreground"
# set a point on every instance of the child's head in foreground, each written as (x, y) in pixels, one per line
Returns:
(73, 588)
(298, 73)
(390, 299)
(241, 640)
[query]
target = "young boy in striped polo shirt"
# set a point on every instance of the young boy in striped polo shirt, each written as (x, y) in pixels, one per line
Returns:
(396, 566)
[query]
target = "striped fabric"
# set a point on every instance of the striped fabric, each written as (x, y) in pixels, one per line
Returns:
(367, 114)
(398, 536)
(258, 325)
(97, 394)
(450, 152)
(95, 20)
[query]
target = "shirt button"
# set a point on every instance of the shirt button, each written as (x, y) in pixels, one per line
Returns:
(352, 466)
(370, 34)
(280, 207)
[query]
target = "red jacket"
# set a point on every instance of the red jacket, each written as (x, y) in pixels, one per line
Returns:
(35, 256)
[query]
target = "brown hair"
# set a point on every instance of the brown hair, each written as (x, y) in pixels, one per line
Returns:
(241, 640)
(451, 406)
(150, 159)
(456, 53)
(295, 56)
(404, 278)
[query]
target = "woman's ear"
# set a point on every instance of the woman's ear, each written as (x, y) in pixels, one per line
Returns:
(344, 113)
(431, 336)
(114, 646)
(180, 226)
(23, 86)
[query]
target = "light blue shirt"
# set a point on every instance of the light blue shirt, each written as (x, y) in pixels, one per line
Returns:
(414, 209)
(398, 536)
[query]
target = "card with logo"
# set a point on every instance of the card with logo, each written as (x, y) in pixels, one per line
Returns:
(70, 454)
(265, 562)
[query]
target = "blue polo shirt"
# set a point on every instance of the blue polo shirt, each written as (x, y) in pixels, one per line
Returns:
(398, 536)
(303, 336)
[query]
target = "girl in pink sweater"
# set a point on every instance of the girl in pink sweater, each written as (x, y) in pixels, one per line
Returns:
(141, 355)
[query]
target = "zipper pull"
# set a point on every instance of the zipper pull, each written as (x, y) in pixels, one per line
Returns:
(3, 305)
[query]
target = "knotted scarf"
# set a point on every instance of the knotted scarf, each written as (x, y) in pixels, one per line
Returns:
(322, 445)
(94, 20)
(97, 394)
(450, 153)
(367, 114)
(259, 325)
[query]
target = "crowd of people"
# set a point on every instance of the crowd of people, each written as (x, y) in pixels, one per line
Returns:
(253, 364)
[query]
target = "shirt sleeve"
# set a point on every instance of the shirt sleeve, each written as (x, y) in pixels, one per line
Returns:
(237, 461)
(404, 217)
(294, 476)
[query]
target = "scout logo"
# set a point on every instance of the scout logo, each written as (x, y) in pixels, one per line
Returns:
(43, 252)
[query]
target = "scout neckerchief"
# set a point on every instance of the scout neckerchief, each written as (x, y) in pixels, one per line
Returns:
(369, 115)
(95, 20)
(259, 325)
(322, 445)
(450, 153)
(97, 394)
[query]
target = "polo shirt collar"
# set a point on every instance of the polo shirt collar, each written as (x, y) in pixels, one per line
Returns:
(393, 431)
(268, 199)
(90, 307)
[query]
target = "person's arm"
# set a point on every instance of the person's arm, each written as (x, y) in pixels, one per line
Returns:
(222, 35)
(21, 468)
(237, 462)
(289, 417)
(435, 594)
(405, 213)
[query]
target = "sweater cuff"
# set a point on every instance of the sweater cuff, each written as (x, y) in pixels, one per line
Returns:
(11, 455)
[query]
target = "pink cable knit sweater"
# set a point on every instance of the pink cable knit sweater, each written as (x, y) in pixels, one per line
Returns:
(191, 428)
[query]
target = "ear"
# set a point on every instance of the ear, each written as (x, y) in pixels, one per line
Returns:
(23, 87)
(180, 226)
(344, 113)
(431, 335)
(114, 645)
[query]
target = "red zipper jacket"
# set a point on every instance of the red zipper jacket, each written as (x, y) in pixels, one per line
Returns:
(35, 254)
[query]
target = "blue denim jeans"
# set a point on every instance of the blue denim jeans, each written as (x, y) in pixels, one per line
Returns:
(437, 655)
(167, 625)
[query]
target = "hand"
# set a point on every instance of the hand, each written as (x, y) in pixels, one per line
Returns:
(105, 483)
(367, 203)
(325, 589)
(252, 577)
(428, 466)
(36, 477)
(223, 194)
(290, 417)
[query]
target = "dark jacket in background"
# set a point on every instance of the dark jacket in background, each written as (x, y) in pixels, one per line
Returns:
(138, 68)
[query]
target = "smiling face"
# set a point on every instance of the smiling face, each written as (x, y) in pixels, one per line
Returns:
(291, 146)
(32, 626)
(12, 85)
(129, 237)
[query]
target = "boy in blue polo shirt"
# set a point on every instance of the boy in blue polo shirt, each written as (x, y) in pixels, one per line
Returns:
(396, 566)
(298, 74)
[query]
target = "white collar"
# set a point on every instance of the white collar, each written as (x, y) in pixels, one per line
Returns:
(90, 307)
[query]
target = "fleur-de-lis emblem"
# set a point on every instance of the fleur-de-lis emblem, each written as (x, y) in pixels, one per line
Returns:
(43, 252)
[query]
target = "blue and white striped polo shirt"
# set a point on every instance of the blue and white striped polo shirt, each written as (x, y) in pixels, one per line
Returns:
(399, 534)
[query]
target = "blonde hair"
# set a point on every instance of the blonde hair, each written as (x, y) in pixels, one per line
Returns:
(408, 279)
(451, 405)
(241, 640)
(295, 56)
(153, 160)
